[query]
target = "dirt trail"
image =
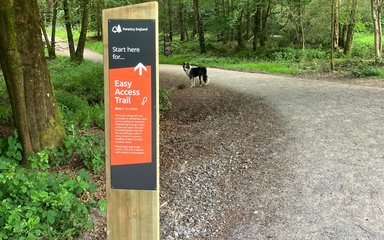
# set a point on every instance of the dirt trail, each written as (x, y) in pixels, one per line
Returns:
(63, 49)
(313, 152)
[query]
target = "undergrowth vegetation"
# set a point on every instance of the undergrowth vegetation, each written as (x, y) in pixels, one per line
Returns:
(38, 201)
(279, 60)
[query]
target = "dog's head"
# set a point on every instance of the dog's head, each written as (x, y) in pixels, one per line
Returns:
(186, 67)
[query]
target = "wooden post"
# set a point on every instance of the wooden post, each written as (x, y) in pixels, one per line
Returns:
(131, 213)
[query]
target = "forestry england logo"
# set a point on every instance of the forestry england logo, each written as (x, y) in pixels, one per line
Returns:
(117, 29)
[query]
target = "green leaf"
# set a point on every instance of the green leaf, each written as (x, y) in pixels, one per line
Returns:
(102, 205)
(51, 216)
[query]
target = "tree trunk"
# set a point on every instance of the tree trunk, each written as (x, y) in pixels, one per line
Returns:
(51, 43)
(247, 20)
(264, 18)
(342, 35)
(52, 48)
(83, 32)
(336, 11)
(376, 8)
(68, 26)
(256, 27)
(170, 20)
(240, 40)
(181, 22)
(196, 4)
(185, 14)
(34, 108)
(301, 16)
(351, 29)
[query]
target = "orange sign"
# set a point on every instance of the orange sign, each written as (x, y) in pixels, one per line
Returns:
(131, 115)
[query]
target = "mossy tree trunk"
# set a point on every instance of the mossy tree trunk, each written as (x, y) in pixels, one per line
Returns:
(35, 111)
(351, 29)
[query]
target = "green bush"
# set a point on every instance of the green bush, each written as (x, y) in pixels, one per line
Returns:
(286, 54)
(38, 204)
(5, 114)
(165, 102)
(76, 110)
(5, 108)
(88, 149)
(293, 54)
(366, 71)
(84, 80)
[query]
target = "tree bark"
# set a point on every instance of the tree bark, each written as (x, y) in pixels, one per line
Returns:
(196, 5)
(68, 26)
(336, 13)
(342, 35)
(76, 55)
(183, 35)
(240, 40)
(35, 111)
(351, 29)
(266, 8)
(247, 20)
(376, 10)
(51, 43)
(83, 32)
(256, 27)
(170, 20)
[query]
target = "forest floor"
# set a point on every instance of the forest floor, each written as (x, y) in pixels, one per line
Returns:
(257, 156)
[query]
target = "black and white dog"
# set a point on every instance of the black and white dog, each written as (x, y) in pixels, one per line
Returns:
(193, 72)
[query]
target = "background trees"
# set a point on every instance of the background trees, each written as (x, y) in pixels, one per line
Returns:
(247, 29)
(260, 25)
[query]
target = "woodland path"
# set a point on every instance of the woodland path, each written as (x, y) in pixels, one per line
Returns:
(257, 156)
(313, 150)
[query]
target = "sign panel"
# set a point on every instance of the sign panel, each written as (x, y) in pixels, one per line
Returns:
(132, 93)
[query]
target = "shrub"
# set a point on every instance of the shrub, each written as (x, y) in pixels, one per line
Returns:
(165, 102)
(366, 71)
(84, 80)
(78, 111)
(37, 204)
(88, 149)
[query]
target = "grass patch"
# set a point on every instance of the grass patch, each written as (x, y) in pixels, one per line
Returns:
(274, 67)
(363, 45)
(95, 46)
(268, 67)
(79, 91)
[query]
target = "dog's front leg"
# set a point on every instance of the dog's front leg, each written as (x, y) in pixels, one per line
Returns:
(192, 82)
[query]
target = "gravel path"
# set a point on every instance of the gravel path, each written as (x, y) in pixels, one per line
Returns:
(255, 156)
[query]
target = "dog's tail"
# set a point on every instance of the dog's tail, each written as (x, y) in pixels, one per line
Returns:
(205, 79)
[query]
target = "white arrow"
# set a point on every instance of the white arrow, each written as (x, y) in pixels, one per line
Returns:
(141, 67)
